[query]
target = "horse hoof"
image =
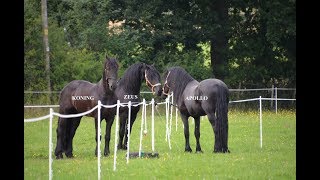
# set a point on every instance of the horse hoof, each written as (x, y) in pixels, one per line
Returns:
(119, 147)
(60, 156)
(69, 155)
(188, 150)
(106, 153)
(221, 151)
(199, 152)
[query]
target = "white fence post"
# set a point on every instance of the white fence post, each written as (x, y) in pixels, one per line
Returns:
(98, 139)
(276, 95)
(50, 144)
(260, 104)
(176, 119)
(116, 137)
(141, 130)
(272, 96)
(171, 109)
(152, 123)
(128, 135)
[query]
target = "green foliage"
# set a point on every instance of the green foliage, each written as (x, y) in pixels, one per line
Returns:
(261, 49)
(263, 44)
(34, 76)
(77, 65)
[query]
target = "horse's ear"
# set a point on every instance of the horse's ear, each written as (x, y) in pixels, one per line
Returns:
(152, 64)
(144, 65)
(107, 56)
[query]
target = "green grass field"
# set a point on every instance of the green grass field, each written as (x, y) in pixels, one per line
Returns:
(275, 160)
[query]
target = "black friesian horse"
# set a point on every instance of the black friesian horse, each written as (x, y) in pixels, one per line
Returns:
(128, 89)
(80, 96)
(209, 97)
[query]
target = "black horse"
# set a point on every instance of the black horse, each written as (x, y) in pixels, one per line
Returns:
(128, 89)
(80, 96)
(209, 97)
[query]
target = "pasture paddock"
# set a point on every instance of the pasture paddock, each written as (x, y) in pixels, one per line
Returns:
(275, 160)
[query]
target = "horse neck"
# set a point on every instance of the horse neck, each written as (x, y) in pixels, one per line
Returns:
(102, 87)
(178, 91)
(131, 82)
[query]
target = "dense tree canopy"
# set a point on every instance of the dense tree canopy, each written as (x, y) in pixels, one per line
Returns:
(247, 43)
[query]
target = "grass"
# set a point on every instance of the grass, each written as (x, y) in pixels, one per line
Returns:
(275, 160)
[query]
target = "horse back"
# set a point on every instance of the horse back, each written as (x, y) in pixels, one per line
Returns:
(212, 89)
(212, 85)
(78, 96)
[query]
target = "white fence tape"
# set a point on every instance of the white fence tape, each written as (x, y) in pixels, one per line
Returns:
(143, 121)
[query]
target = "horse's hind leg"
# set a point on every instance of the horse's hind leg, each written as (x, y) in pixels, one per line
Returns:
(72, 126)
(122, 130)
(186, 132)
(212, 118)
(197, 133)
(61, 135)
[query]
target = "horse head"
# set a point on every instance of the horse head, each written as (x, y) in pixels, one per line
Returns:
(166, 86)
(110, 73)
(153, 79)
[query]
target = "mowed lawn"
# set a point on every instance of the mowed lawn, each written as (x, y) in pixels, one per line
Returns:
(247, 160)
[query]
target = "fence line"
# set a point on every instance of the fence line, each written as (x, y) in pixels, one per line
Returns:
(168, 129)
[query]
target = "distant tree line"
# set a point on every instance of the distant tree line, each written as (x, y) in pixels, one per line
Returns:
(248, 44)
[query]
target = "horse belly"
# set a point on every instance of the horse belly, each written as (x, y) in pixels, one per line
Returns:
(83, 106)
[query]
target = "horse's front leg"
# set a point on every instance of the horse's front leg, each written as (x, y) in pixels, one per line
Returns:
(186, 131)
(73, 124)
(61, 135)
(109, 123)
(96, 134)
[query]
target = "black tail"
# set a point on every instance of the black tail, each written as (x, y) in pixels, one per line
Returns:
(221, 123)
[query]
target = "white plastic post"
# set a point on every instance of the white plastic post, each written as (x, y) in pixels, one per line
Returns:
(141, 130)
(128, 135)
(171, 109)
(98, 141)
(167, 117)
(116, 137)
(260, 104)
(272, 96)
(145, 115)
(152, 124)
(50, 144)
(276, 95)
(176, 119)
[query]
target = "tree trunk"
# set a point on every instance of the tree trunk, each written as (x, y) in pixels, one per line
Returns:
(219, 42)
(46, 44)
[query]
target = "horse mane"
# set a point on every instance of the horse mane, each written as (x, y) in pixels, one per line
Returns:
(177, 80)
(131, 79)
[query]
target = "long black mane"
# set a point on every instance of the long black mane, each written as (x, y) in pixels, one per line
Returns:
(131, 75)
(177, 80)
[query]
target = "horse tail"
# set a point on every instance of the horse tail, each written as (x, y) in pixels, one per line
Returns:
(221, 123)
